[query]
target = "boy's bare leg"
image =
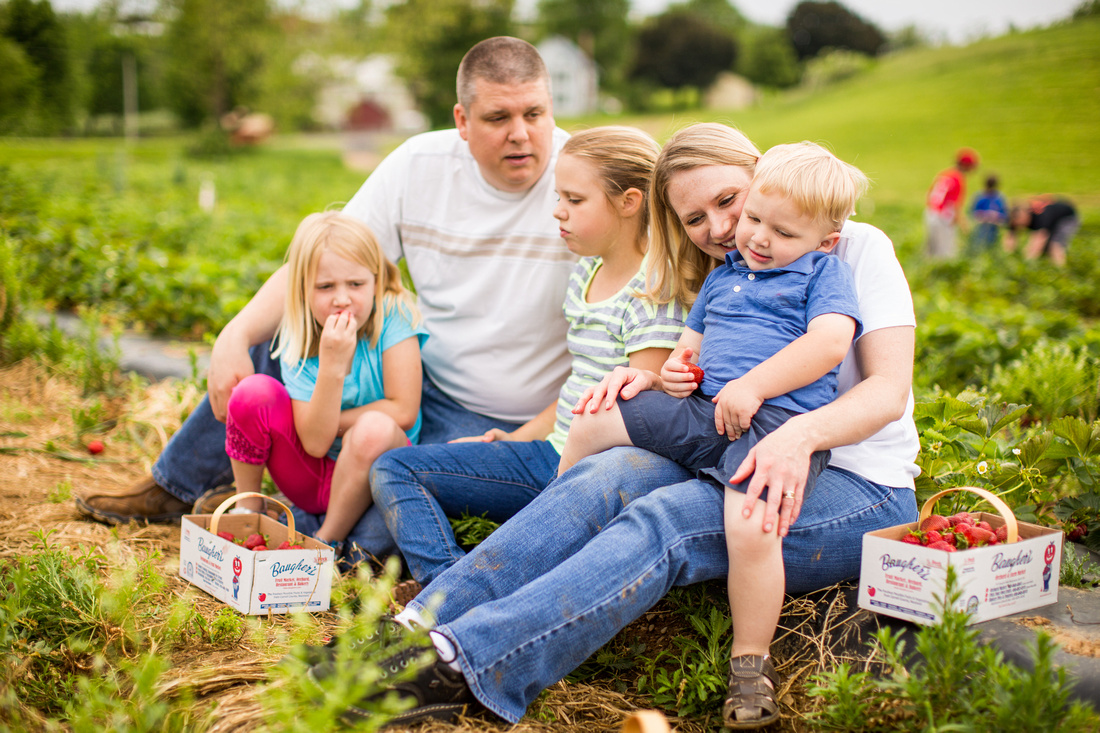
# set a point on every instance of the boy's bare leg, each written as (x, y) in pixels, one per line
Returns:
(756, 576)
(373, 434)
(590, 434)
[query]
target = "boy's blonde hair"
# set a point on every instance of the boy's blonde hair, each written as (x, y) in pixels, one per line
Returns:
(299, 334)
(823, 186)
(676, 267)
(623, 157)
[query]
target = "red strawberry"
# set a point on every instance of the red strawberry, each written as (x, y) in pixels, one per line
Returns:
(95, 447)
(227, 536)
(985, 525)
(960, 518)
(295, 547)
(933, 536)
(935, 522)
(253, 541)
(284, 545)
(1077, 532)
(941, 545)
(696, 373)
(977, 536)
(260, 548)
(1001, 533)
(912, 539)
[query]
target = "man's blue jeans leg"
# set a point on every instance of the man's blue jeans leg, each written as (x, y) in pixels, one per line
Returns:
(444, 419)
(194, 461)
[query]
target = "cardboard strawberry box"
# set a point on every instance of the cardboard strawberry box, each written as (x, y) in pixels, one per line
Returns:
(903, 580)
(272, 581)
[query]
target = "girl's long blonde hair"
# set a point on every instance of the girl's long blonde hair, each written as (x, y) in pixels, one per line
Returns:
(676, 267)
(299, 334)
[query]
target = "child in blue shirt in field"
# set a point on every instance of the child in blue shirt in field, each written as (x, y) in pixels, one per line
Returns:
(770, 327)
(990, 210)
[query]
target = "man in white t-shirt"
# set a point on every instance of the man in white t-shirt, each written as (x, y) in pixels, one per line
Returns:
(470, 212)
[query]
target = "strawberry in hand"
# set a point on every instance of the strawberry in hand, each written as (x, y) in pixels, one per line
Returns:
(679, 376)
(696, 372)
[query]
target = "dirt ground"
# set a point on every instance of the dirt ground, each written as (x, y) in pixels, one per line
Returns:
(44, 464)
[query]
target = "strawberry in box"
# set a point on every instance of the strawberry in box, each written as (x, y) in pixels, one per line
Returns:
(1003, 566)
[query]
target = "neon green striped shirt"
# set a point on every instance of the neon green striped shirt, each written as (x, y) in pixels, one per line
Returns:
(603, 335)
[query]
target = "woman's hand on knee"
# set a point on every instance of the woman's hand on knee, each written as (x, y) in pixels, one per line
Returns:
(783, 469)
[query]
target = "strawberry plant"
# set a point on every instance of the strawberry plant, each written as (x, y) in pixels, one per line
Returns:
(949, 680)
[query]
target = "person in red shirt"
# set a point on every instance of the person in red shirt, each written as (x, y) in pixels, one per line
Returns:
(943, 209)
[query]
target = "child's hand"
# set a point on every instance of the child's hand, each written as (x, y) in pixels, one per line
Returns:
(338, 338)
(734, 407)
(625, 382)
(489, 436)
(676, 377)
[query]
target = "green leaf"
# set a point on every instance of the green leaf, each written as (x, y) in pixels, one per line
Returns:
(1082, 436)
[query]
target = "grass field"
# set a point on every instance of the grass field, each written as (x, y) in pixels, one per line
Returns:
(1028, 102)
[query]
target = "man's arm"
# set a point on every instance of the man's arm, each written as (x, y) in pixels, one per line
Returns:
(256, 323)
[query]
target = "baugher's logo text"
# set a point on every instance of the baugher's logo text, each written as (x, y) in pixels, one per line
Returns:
(278, 568)
(212, 551)
(1000, 562)
(909, 563)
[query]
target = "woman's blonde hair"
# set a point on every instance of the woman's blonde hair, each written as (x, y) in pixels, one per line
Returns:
(623, 158)
(299, 334)
(677, 268)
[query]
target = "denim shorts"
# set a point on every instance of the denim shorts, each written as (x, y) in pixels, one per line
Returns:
(683, 430)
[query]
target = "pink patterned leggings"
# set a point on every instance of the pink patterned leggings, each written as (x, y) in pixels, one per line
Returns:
(259, 430)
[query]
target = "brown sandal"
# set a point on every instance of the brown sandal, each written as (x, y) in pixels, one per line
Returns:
(751, 702)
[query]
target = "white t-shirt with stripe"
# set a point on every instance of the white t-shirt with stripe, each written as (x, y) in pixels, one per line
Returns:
(603, 335)
(490, 271)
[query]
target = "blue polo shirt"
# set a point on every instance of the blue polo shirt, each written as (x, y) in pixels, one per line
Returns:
(747, 316)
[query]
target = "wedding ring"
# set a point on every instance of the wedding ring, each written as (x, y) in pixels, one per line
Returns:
(788, 494)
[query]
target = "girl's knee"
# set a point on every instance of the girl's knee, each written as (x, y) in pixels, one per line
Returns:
(257, 392)
(372, 434)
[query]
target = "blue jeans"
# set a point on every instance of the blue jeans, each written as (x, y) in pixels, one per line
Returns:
(601, 545)
(194, 461)
(417, 488)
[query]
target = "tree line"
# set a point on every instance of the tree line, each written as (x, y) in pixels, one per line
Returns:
(79, 73)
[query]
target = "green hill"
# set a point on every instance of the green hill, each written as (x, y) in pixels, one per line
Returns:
(1028, 102)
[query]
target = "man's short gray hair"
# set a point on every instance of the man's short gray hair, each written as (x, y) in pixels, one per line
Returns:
(500, 60)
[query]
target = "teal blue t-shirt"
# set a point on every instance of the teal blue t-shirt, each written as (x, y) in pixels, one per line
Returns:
(363, 384)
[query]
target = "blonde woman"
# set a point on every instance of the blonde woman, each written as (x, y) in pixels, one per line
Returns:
(349, 346)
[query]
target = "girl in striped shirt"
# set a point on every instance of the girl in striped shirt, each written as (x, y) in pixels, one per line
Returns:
(602, 181)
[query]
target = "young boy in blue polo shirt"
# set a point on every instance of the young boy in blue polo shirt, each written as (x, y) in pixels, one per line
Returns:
(770, 326)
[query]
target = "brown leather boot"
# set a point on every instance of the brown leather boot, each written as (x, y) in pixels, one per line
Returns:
(212, 499)
(143, 501)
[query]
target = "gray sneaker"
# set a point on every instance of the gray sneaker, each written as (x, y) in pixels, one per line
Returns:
(438, 692)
